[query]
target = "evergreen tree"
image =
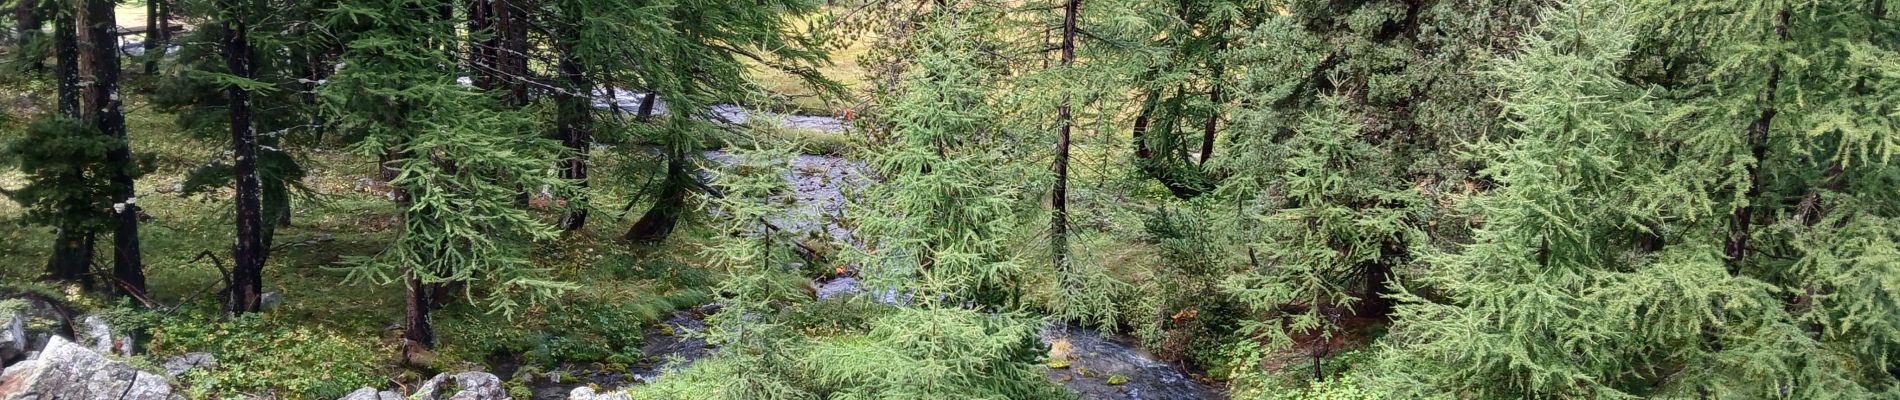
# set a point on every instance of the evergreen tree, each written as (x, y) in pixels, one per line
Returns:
(938, 223)
(67, 188)
(1608, 264)
(468, 155)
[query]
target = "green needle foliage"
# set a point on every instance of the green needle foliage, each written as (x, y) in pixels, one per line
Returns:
(937, 225)
(464, 157)
(1603, 267)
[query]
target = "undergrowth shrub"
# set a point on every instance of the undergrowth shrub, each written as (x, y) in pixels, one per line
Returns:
(581, 329)
(258, 354)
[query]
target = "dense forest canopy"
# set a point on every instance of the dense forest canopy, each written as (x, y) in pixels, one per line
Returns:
(1024, 199)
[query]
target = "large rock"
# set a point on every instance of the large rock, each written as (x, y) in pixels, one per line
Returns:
(95, 332)
(178, 366)
(12, 337)
(65, 370)
(467, 386)
(587, 393)
(372, 394)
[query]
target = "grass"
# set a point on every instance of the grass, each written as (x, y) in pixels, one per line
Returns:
(339, 220)
(790, 93)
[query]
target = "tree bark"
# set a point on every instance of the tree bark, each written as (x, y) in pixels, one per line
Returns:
(1059, 224)
(481, 53)
(416, 327)
(658, 222)
(1736, 247)
(576, 130)
(104, 111)
(247, 282)
(66, 62)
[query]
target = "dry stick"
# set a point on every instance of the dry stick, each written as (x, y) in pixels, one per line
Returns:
(224, 276)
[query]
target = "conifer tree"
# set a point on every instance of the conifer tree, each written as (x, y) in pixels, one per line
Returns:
(1667, 220)
(937, 224)
(468, 154)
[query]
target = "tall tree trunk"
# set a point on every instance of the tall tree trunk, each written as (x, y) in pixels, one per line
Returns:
(247, 255)
(1736, 247)
(481, 51)
(576, 130)
(511, 57)
(100, 55)
(66, 61)
(150, 43)
(658, 222)
(1059, 224)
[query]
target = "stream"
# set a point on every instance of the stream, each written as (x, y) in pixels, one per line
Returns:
(819, 184)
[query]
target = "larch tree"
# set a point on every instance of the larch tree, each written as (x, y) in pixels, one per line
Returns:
(467, 155)
(1697, 203)
(696, 61)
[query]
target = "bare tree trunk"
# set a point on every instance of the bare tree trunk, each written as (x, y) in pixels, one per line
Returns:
(100, 55)
(481, 53)
(416, 327)
(247, 281)
(576, 129)
(511, 31)
(1059, 226)
(66, 62)
(658, 222)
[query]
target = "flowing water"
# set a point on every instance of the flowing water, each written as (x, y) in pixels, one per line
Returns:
(820, 185)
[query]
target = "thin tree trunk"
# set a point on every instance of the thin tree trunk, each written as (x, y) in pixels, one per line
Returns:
(511, 32)
(658, 222)
(1736, 247)
(576, 130)
(1142, 121)
(150, 42)
(646, 107)
(66, 62)
(1208, 130)
(481, 52)
(105, 111)
(1059, 224)
(416, 327)
(247, 282)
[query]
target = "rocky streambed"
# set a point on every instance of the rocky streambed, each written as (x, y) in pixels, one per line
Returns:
(1098, 365)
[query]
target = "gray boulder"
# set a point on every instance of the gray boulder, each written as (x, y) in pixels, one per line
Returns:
(467, 386)
(178, 366)
(12, 338)
(587, 393)
(372, 394)
(66, 370)
(96, 333)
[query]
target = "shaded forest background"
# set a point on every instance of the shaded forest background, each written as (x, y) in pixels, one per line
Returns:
(1287, 198)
